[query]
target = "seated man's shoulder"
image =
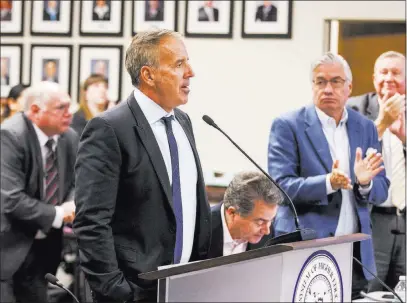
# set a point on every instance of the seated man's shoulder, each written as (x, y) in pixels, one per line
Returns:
(358, 103)
(15, 124)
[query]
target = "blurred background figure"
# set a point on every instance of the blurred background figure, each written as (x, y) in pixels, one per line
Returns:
(266, 12)
(93, 100)
(154, 10)
(51, 11)
(38, 153)
(101, 10)
(5, 10)
(50, 70)
(208, 13)
(13, 103)
(5, 73)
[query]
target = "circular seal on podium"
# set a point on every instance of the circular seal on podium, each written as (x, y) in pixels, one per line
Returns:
(320, 279)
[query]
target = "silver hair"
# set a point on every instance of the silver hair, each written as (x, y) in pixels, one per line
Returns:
(331, 58)
(246, 188)
(389, 54)
(39, 93)
(143, 51)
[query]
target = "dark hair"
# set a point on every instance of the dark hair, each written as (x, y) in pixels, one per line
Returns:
(16, 91)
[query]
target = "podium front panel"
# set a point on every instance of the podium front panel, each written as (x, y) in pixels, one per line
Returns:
(247, 281)
(318, 274)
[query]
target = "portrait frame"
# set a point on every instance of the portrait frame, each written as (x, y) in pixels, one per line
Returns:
(42, 23)
(47, 58)
(167, 16)
(13, 53)
(110, 24)
(13, 23)
(258, 22)
(90, 55)
(197, 23)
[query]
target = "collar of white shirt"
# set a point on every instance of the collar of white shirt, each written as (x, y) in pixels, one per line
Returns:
(150, 109)
(227, 238)
(101, 10)
(43, 138)
(327, 121)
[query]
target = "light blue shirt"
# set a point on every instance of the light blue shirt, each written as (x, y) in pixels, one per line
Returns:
(187, 165)
(338, 141)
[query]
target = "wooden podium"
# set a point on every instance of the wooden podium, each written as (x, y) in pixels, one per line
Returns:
(309, 271)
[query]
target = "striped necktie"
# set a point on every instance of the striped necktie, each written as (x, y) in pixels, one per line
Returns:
(51, 175)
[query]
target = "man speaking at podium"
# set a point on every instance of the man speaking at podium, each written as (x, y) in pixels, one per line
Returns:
(326, 158)
(140, 192)
(242, 221)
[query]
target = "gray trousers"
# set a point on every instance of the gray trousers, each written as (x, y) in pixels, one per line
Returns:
(389, 247)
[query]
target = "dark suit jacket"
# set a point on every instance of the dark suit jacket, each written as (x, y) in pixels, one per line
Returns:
(158, 17)
(271, 15)
(79, 122)
(106, 16)
(22, 189)
(125, 222)
(202, 16)
(47, 17)
(216, 247)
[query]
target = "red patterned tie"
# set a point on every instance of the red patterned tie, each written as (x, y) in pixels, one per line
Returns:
(51, 175)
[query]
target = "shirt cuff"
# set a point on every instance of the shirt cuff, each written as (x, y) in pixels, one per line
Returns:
(59, 217)
(364, 191)
(329, 189)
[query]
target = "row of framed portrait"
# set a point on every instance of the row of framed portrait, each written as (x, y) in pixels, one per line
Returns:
(261, 19)
(53, 63)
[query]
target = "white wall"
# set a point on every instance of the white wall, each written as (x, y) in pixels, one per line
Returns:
(241, 83)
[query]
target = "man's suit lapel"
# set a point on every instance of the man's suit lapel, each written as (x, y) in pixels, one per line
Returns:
(316, 135)
(35, 146)
(353, 128)
(61, 156)
(146, 135)
(372, 108)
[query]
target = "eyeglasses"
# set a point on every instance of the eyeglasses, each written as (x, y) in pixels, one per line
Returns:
(335, 82)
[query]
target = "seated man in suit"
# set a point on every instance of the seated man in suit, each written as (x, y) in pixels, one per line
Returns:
(208, 12)
(37, 191)
(326, 158)
(266, 12)
(240, 222)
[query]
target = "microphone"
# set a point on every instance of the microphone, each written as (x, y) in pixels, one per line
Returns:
(299, 234)
(381, 282)
(54, 281)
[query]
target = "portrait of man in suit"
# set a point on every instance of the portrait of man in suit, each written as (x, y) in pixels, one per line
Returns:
(208, 12)
(37, 191)
(139, 191)
(51, 11)
(100, 67)
(50, 70)
(266, 12)
(154, 10)
(5, 70)
(242, 220)
(6, 10)
(101, 10)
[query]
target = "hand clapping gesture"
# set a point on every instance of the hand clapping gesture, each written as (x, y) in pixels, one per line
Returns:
(339, 179)
(366, 169)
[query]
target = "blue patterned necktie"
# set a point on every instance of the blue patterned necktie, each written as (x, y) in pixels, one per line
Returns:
(176, 188)
(51, 175)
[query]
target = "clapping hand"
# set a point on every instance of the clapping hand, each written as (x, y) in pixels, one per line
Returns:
(339, 179)
(366, 169)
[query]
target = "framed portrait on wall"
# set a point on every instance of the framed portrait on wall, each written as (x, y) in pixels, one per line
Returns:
(11, 17)
(209, 19)
(103, 60)
(154, 13)
(51, 63)
(51, 18)
(267, 19)
(10, 67)
(101, 18)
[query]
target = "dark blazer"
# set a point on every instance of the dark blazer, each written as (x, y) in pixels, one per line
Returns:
(299, 160)
(105, 17)
(23, 211)
(47, 17)
(125, 222)
(202, 16)
(216, 247)
(271, 15)
(79, 122)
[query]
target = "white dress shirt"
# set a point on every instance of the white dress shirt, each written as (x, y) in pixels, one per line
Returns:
(101, 11)
(230, 246)
(338, 141)
(210, 13)
(59, 214)
(187, 165)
